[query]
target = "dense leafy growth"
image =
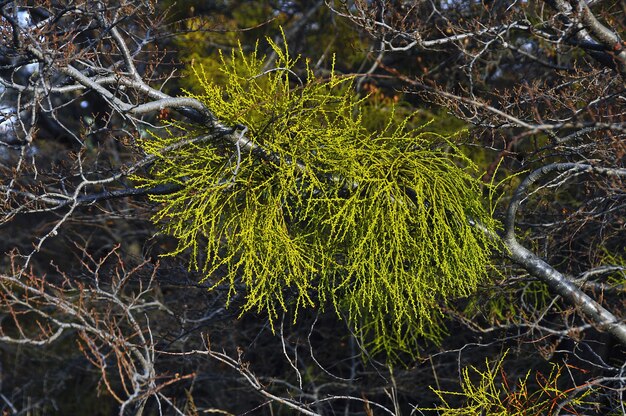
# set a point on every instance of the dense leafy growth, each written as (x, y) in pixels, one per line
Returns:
(372, 222)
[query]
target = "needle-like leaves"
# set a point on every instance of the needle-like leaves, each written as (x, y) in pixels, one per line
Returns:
(374, 223)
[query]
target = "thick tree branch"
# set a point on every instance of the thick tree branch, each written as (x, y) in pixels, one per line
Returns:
(559, 283)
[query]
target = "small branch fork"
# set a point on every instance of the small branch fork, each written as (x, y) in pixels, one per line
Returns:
(249, 378)
(106, 312)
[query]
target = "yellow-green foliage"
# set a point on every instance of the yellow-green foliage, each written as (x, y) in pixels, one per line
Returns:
(374, 223)
(617, 278)
(212, 29)
(490, 393)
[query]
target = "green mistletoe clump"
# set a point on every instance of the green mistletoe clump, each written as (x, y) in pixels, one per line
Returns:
(325, 211)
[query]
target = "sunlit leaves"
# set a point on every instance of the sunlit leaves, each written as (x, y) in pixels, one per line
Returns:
(374, 223)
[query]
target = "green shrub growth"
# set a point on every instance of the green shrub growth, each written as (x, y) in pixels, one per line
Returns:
(374, 223)
(489, 392)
